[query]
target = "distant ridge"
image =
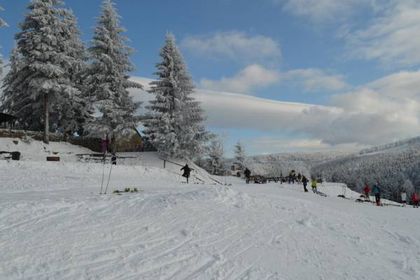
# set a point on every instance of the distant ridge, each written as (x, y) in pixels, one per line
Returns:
(405, 142)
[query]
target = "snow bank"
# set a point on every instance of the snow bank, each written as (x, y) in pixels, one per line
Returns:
(38, 151)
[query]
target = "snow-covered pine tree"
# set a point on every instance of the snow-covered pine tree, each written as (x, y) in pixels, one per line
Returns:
(216, 157)
(78, 110)
(176, 125)
(239, 155)
(2, 24)
(45, 61)
(14, 100)
(108, 76)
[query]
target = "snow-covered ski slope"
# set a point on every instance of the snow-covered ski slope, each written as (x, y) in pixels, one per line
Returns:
(35, 153)
(54, 225)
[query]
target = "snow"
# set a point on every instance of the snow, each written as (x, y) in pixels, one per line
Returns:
(37, 150)
(54, 225)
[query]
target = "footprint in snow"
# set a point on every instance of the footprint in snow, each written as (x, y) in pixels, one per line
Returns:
(305, 222)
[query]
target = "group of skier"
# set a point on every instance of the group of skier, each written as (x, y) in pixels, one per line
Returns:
(376, 191)
(292, 177)
(415, 199)
(314, 184)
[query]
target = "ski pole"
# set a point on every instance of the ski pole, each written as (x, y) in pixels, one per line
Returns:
(103, 175)
(109, 177)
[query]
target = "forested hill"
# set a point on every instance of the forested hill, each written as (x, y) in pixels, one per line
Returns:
(277, 164)
(395, 166)
(403, 144)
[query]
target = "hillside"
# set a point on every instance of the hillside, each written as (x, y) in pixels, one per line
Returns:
(54, 225)
(391, 165)
(276, 164)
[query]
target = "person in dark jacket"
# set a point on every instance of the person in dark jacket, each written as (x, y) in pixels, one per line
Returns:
(247, 173)
(376, 190)
(187, 171)
(113, 159)
(305, 183)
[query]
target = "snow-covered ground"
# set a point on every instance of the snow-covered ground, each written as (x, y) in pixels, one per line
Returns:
(54, 225)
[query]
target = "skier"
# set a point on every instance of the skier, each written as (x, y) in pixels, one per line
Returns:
(366, 191)
(376, 190)
(247, 173)
(415, 199)
(313, 185)
(305, 183)
(404, 198)
(187, 171)
(113, 159)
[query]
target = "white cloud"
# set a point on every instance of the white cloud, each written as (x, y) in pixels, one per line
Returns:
(321, 10)
(236, 46)
(290, 144)
(355, 119)
(251, 77)
(256, 76)
(391, 37)
(316, 80)
(230, 110)
(266, 145)
(379, 112)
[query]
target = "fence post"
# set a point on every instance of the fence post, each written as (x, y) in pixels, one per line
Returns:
(164, 164)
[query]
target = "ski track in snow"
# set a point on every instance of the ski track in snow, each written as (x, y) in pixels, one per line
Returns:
(54, 225)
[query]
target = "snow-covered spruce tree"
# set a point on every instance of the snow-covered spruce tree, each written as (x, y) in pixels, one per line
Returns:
(176, 125)
(108, 76)
(216, 157)
(239, 155)
(44, 55)
(77, 110)
(15, 100)
(2, 24)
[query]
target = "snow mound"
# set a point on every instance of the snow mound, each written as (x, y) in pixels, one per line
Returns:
(37, 150)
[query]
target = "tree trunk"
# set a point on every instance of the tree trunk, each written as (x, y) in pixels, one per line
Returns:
(46, 120)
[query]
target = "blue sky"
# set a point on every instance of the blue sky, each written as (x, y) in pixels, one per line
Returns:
(351, 65)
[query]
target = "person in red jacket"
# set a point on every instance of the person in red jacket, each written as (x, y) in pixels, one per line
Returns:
(415, 200)
(366, 191)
